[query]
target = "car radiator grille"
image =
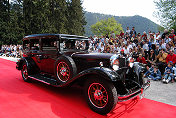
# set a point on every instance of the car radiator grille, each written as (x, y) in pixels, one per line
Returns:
(122, 62)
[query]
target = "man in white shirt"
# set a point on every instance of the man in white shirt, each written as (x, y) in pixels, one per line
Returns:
(126, 50)
(145, 46)
(167, 39)
(163, 45)
(127, 30)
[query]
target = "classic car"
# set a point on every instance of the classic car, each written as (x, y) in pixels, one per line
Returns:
(62, 60)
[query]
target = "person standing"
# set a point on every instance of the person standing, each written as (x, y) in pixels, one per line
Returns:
(128, 31)
(144, 36)
(113, 34)
(132, 32)
(164, 34)
(146, 48)
(167, 39)
(121, 34)
(158, 37)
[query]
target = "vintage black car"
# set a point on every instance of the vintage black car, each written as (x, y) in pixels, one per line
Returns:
(61, 60)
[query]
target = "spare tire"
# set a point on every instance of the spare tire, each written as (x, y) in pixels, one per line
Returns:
(65, 69)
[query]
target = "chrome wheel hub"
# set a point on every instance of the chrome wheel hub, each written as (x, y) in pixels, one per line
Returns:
(25, 72)
(98, 95)
(63, 71)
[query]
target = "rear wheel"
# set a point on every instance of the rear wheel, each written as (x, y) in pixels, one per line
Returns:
(65, 69)
(24, 73)
(101, 95)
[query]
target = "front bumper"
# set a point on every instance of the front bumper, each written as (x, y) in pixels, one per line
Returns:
(134, 94)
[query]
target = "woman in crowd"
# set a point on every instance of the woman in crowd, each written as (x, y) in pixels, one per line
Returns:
(151, 57)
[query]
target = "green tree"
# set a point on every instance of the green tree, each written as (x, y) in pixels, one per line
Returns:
(58, 9)
(106, 26)
(76, 18)
(33, 16)
(3, 20)
(166, 13)
(24, 17)
(45, 16)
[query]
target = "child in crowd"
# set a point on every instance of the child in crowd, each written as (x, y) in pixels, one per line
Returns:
(155, 74)
(174, 69)
(168, 74)
(149, 70)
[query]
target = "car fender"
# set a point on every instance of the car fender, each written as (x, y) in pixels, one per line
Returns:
(101, 72)
(138, 69)
(31, 65)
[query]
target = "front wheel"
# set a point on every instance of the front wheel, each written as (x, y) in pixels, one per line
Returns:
(24, 73)
(101, 95)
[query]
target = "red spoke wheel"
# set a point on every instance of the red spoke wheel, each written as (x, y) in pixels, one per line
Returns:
(98, 95)
(101, 95)
(65, 69)
(24, 73)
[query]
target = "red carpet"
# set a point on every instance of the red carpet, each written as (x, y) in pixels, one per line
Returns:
(19, 99)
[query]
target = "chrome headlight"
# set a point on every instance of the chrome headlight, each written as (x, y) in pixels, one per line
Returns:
(114, 62)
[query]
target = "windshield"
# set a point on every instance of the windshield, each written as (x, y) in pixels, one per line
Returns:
(68, 44)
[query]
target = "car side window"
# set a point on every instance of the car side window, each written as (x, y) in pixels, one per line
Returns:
(34, 44)
(49, 44)
(26, 45)
(68, 44)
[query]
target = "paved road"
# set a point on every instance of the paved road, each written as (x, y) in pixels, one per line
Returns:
(10, 58)
(165, 93)
(158, 91)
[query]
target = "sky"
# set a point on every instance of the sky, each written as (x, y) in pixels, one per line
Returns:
(145, 8)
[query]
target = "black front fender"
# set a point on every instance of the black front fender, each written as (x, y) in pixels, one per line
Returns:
(31, 65)
(106, 73)
(101, 72)
(20, 62)
(139, 69)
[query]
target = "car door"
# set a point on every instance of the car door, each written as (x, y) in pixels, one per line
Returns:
(35, 51)
(49, 54)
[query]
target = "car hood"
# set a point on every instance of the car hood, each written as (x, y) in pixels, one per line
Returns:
(93, 55)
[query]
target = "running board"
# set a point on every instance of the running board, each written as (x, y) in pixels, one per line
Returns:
(44, 79)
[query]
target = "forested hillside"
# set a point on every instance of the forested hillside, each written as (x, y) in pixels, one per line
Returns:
(140, 23)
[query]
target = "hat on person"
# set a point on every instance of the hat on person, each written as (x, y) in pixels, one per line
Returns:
(122, 50)
(170, 62)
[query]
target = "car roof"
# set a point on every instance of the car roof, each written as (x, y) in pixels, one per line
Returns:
(62, 36)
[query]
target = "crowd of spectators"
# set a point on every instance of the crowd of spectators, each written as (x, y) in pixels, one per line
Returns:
(11, 51)
(157, 51)
(148, 48)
